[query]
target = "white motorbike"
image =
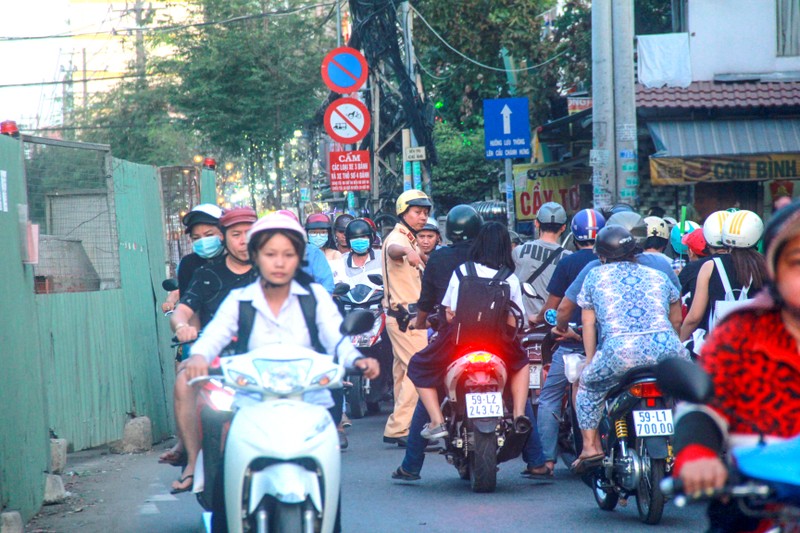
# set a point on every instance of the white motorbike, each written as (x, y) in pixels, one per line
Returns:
(282, 462)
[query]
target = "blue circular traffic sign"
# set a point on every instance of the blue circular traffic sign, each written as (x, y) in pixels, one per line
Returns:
(344, 70)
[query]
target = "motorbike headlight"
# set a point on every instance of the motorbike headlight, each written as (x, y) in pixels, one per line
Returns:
(283, 377)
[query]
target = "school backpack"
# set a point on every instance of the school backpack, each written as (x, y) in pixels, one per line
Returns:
(483, 305)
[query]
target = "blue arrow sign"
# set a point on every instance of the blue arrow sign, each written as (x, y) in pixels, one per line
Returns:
(506, 125)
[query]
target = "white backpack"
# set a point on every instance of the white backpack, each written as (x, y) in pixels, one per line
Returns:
(723, 308)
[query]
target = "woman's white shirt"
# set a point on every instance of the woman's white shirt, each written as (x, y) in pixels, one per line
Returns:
(288, 327)
(451, 295)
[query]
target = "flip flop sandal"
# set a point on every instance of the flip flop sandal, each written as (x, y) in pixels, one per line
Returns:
(402, 475)
(547, 474)
(582, 464)
(173, 458)
(178, 490)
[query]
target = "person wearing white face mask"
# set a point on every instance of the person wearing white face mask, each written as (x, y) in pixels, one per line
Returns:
(362, 259)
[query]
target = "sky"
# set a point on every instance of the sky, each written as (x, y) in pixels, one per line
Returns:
(32, 61)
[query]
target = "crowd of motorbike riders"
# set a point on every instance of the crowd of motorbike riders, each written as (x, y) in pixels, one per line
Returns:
(628, 291)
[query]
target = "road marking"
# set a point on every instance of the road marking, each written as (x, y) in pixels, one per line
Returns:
(149, 508)
(162, 498)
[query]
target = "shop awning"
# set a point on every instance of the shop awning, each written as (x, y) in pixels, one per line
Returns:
(724, 150)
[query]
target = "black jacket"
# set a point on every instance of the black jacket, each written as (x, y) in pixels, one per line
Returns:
(440, 267)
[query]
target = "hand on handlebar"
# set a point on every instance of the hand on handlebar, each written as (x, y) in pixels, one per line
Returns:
(369, 366)
(196, 366)
(703, 475)
(562, 335)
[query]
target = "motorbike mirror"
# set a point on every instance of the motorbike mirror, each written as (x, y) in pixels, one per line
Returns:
(527, 290)
(684, 380)
(170, 284)
(357, 321)
(341, 289)
(375, 279)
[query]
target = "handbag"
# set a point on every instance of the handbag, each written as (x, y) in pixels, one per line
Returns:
(723, 308)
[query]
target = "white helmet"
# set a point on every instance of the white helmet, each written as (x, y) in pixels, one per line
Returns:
(656, 227)
(742, 229)
(712, 228)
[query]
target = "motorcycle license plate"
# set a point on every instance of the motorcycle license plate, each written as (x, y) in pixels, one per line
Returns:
(484, 404)
(535, 376)
(653, 423)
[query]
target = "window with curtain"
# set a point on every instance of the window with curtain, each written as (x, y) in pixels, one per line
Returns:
(788, 27)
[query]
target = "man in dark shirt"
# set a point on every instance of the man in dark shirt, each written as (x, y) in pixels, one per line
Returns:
(699, 252)
(208, 288)
(585, 225)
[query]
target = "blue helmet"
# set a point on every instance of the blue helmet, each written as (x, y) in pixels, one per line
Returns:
(586, 224)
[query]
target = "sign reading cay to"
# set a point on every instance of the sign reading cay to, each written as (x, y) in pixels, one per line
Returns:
(347, 120)
(756, 167)
(349, 170)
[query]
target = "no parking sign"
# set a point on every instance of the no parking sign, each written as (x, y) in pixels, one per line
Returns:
(344, 70)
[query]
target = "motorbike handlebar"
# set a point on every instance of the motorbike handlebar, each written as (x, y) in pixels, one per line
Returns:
(673, 487)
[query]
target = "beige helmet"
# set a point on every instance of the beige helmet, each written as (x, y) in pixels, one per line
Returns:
(656, 227)
(410, 198)
(712, 228)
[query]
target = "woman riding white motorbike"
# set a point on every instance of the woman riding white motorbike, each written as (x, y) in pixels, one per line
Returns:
(276, 244)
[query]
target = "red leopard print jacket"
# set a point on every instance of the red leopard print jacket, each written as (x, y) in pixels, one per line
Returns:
(755, 365)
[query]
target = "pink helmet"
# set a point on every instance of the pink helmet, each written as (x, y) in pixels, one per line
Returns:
(276, 221)
(288, 213)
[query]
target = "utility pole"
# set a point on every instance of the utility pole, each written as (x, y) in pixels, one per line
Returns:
(412, 171)
(85, 83)
(626, 147)
(602, 155)
(138, 10)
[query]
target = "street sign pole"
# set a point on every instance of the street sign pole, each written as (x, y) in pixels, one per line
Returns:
(510, 195)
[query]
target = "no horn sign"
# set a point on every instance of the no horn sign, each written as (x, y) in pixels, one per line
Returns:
(347, 120)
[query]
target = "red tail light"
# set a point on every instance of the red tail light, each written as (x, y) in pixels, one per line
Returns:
(646, 390)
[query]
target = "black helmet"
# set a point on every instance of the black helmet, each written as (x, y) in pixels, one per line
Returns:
(614, 241)
(342, 221)
(358, 228)
(632, 221)
(431, 227)
(463, 223)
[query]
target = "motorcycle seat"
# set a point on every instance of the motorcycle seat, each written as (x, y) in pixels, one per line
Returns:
(630, 377)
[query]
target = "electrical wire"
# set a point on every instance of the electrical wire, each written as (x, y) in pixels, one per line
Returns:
(475, 61)
(156, 29)
(62, 82)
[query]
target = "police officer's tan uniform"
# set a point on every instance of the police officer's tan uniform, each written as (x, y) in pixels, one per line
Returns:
(403, 284)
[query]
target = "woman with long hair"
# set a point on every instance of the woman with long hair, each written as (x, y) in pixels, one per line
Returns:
(743, 267)
(491, 252)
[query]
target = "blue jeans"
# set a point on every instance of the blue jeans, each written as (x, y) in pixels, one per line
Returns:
(415, 447)
(550, 401)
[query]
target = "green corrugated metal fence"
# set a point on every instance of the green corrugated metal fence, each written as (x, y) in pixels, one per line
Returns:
(24, 444)
(81, 363)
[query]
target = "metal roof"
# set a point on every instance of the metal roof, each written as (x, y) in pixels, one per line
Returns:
(680, 138)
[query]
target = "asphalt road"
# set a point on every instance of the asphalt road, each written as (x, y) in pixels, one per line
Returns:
(130, 493)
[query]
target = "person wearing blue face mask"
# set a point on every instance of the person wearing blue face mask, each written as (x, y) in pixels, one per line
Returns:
(202, 227)
(362, 259)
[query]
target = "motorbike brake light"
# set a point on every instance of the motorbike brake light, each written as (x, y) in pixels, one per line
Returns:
(646, 390)
(479, 357)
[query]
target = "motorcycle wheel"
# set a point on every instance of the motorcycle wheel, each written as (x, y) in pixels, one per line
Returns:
(606, 500)
(356, 398)
(287, 517)
(483, 463)
(649, 498)
(463, 471)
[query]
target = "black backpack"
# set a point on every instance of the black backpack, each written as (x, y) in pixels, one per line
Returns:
(247, 314)
(483, 305)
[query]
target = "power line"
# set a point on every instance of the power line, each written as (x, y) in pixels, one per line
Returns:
(114, 32)
(62, 82)
(475, 61)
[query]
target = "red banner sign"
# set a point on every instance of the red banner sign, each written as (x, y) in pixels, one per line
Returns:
(349, 171)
